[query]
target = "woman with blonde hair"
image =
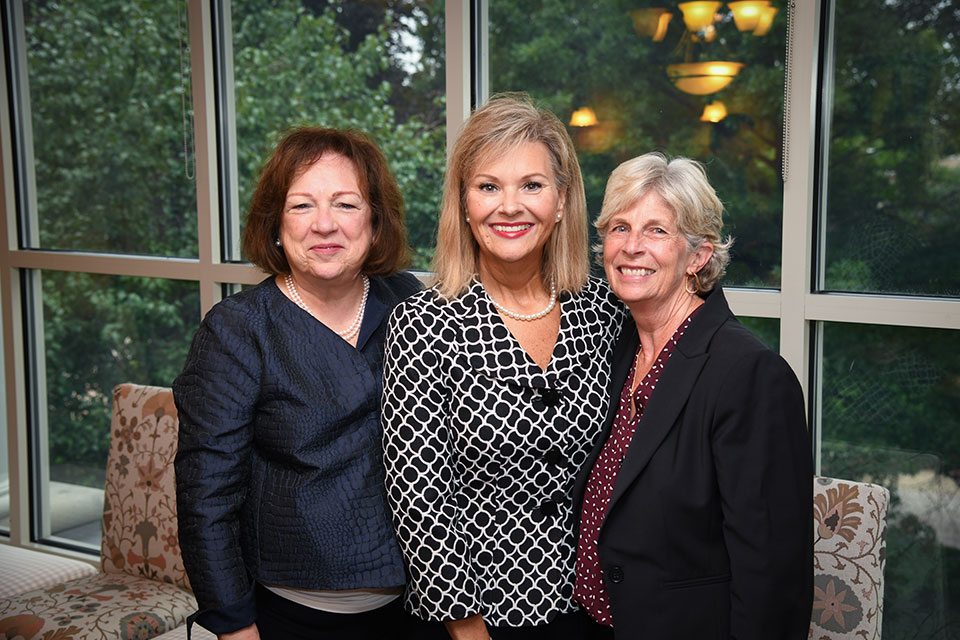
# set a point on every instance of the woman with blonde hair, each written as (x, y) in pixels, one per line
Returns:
(494, 383)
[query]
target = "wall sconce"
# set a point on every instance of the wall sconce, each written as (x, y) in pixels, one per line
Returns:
(651, 22)
(747, 13)
(699, 15)
(702, 78)
(714, 112)
(583, 117)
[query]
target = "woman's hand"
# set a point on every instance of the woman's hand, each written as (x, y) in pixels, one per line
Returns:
(472, 628)
(247, 633)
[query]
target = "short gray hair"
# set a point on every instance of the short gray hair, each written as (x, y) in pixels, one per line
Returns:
(683, 185)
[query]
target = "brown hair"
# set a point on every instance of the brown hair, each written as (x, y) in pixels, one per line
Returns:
(299, 149)
(507, 120)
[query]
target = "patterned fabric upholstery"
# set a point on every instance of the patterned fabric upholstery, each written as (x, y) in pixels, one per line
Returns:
(849, 552)
(142, 591)
(140, 509)
(107, 605)
(26, 570)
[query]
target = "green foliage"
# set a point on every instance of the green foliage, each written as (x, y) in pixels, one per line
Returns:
(893, 387)
(107, 99)
(100, 331)
(296, 67)
(892, 186)
(108, 132)
(569, 56)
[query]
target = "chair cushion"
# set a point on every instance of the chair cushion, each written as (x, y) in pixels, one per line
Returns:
(97, 607)
(27, 569)
(140, 510)
(848, 555)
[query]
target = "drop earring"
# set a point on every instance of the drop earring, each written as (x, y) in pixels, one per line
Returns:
(277, 242)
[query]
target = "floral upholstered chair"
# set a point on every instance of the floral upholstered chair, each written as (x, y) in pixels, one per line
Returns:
(849, 520)
(142, 590)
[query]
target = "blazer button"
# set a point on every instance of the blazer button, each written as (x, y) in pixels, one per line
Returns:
(551, 397)
(615, 574)
(554, 456)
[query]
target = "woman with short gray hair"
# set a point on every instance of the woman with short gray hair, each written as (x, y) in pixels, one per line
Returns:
(695, 505)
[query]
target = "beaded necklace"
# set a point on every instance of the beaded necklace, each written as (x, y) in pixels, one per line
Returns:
(527, 317)
(354, 328)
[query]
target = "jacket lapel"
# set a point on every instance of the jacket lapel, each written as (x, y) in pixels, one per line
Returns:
(673, 390)
(623, 354)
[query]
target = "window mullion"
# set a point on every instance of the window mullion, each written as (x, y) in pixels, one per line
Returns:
(205, 141)
(797, 192)
(458, 66)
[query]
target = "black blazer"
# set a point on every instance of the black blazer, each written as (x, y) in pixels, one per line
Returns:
(709, 529)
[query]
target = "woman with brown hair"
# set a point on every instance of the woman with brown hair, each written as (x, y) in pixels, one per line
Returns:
(284, 525)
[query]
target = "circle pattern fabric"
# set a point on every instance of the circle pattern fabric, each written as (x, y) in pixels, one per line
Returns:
(481, 447)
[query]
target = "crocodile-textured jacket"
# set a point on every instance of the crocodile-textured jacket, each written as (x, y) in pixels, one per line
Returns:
(279, 468)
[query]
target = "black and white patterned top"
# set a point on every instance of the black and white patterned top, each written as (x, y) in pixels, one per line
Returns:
(481, 447)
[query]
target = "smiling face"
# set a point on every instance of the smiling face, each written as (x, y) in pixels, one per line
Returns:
(327, 229)
(512, 203)
(645, 256)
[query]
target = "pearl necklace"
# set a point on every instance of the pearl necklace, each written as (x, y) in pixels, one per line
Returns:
(354, 328)
(529, 316)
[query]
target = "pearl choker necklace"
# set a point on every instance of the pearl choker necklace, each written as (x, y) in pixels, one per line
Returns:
(354, 328)
(528, 316)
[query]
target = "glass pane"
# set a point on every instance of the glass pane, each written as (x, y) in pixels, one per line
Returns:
(893, 170)
(767, 329)
(606, 56)
(375, 66)
(112, 127)
(891, 415)
(99, 331)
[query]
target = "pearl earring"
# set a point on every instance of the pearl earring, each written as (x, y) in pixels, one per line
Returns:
(277, 242)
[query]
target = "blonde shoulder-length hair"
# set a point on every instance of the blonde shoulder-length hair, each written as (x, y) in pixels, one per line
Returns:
(505, 121)
(683, 184)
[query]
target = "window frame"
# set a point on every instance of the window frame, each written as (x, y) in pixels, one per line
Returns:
(800, 304)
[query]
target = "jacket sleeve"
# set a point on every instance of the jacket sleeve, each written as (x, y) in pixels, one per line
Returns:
(762, 456)
(421, 479)
(215, 396)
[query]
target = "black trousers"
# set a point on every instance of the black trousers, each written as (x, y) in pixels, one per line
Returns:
(566, 626)
(282, 619)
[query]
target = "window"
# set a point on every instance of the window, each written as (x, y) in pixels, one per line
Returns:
(893, 172)
(377, 67)
(889, 398)
(602, 60)
(131, 135)
(111, 115)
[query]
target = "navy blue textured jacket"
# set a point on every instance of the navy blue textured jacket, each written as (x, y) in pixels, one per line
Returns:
(279, 467)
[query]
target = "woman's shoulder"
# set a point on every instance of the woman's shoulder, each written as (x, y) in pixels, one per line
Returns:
(250, 302)
(428, 302)
(401, 285)
(597, 293)
(740, 349)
